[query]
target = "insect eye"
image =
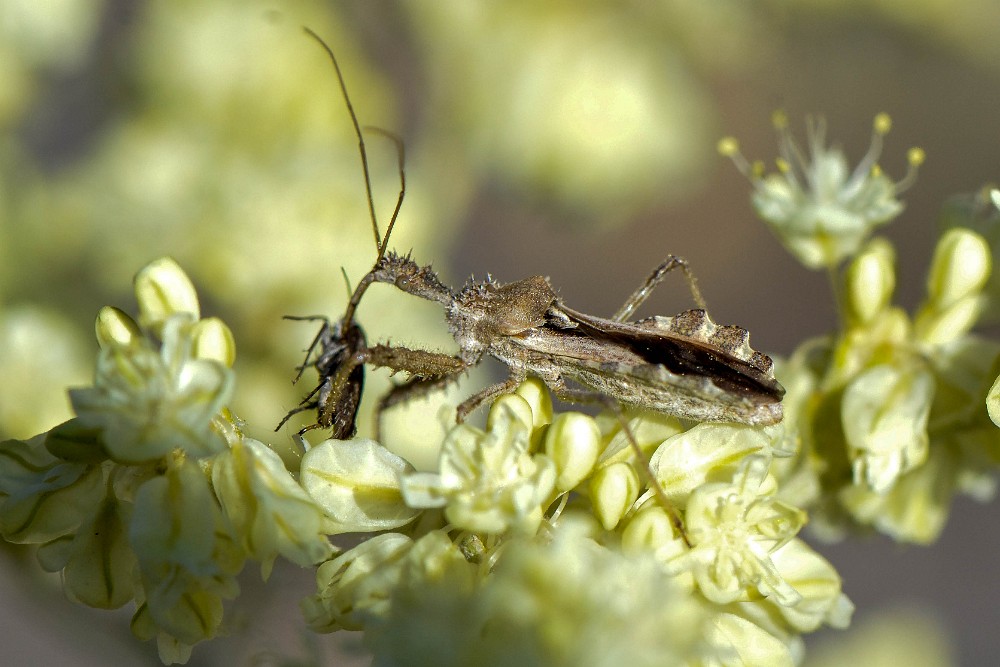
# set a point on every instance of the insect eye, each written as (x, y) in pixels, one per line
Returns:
(402, 282)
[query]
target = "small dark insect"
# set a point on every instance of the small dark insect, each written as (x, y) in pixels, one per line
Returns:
(337, 407)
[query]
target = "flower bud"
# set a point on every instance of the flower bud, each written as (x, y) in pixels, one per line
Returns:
(870, 281)
(357, 485)
(534, 391)
(214, 340)
(993, 402)
(163, 289)
(573, 443)
(613, 490)
(960, 268)
(648, 530)
(115, 327)
(935, 327)
(514, 404)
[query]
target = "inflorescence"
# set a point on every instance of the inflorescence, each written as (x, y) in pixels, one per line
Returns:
(536, 538)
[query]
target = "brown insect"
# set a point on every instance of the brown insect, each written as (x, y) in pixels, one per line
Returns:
(684, 365)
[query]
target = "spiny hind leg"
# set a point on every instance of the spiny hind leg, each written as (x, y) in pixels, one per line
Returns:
(655, 278)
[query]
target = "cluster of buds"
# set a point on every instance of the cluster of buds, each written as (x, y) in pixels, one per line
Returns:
(151, 494)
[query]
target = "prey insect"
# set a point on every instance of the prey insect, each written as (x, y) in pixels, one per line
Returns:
(340, 350)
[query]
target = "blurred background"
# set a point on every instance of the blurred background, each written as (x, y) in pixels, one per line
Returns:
(570, 139)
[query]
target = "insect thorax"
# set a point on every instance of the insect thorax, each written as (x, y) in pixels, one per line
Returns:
(484, 313)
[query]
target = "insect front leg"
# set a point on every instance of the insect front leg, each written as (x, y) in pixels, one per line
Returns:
(430, 371)
(655, 278)
(420, 363)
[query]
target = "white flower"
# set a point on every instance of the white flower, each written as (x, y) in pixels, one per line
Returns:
(269, 511)
(734, 529)
(568, 601)
(884, 414)
(356, 585)
(488, 481)
(187, 557)
(148, 402)
(820, 209)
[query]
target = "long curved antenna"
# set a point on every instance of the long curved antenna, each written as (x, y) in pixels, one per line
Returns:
(357, 131)
(369, 277)
(381, 242)
(401, 158)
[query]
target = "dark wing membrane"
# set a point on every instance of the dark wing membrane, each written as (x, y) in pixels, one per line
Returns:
(681, 355)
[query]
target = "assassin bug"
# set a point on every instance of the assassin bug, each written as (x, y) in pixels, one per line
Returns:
(684, 365)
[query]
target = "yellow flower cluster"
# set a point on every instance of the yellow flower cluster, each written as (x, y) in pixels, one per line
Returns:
(519, 548)
(151, 494)
(820, 209)
(890, 412)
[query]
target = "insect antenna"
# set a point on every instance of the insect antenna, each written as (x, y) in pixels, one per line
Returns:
(357, 130)
(339, 350)
(381, 242)
(384, 244)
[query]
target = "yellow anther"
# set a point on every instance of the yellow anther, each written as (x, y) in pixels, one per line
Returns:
(757, 169)
(915, 156)
(876, 171)
(728, 146)
(883, 123)
(782, 165)
(779, 119)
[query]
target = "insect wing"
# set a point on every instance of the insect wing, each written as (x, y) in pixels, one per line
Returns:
(684, 365)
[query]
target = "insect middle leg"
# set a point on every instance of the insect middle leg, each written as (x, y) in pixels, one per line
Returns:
(413, 388)
(486, 395)
(655, 278)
